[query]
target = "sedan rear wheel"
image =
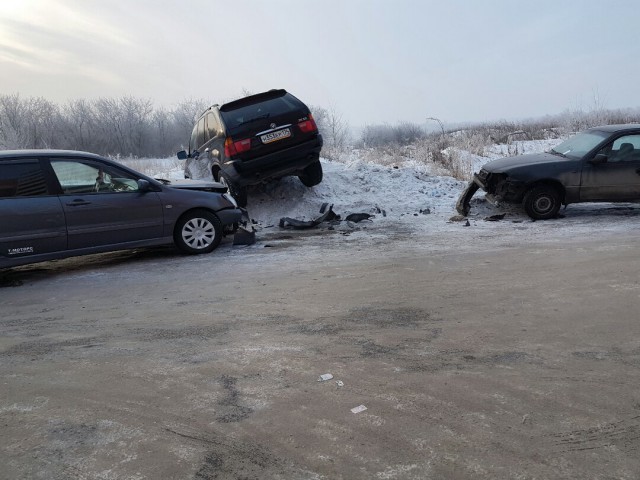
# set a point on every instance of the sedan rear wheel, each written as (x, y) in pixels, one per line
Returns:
(198, 232)
(542, 202)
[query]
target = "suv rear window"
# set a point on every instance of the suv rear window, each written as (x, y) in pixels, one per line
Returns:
(240, 112)
(22, 179)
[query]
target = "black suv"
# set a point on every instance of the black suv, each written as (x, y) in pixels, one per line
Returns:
(254, 140)
(601, 164)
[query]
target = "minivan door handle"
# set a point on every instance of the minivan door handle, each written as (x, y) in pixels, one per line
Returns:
(78, 203)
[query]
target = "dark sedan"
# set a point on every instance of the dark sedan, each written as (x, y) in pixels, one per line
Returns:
(601, 164)
(56, 204)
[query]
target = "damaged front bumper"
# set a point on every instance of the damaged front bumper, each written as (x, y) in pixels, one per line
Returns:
(497, 185)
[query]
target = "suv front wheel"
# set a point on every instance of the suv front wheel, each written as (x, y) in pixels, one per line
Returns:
(236, 191)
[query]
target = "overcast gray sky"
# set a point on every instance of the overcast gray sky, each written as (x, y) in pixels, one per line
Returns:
(373, 61)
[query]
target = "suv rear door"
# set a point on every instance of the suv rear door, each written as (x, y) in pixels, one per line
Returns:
(33, 221)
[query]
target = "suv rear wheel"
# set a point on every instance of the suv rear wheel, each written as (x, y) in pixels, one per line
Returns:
(312, 175)
(542, 202)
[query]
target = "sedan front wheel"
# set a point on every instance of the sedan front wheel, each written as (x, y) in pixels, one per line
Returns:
(198, 232)
(542, 202)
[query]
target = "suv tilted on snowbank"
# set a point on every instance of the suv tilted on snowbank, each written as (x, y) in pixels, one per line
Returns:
(254, 140)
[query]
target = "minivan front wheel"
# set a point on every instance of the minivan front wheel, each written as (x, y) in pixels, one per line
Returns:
(542, 202)
(198, 232)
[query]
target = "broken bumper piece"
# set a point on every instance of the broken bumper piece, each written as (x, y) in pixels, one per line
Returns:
(327, 216)
(463, 204)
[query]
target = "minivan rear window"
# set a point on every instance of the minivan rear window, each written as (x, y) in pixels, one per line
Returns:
(22, 179)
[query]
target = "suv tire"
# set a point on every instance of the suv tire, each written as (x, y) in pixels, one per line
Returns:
(236, 191)
(312, 174)
(542, 202)
(198, 232)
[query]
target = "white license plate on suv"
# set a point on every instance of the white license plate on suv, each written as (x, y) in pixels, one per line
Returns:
(275, 136)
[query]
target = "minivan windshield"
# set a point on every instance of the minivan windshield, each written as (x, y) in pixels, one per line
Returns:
(579, 145)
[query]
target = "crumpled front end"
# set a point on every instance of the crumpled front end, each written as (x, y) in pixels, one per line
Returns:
(498, 185)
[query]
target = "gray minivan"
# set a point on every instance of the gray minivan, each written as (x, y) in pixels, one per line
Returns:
(57, 203)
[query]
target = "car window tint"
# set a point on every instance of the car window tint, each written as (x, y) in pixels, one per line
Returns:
(76, 176)
(22, 178)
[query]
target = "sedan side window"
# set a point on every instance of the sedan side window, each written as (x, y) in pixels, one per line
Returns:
(623, 149)
(78, 177)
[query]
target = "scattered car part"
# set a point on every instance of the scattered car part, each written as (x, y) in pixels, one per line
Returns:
(495, 218)
(357, 217)
(327, 216)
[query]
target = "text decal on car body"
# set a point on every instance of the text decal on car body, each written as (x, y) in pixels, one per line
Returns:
(275, 136)
(19, 251)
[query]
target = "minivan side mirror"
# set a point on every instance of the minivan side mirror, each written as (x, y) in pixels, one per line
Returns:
(599, 158)
(182, 155)
(143, 185)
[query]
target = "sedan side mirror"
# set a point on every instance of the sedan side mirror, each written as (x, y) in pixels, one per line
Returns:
(599, 158)
(182, 155)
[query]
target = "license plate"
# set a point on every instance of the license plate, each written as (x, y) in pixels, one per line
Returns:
(275, 136)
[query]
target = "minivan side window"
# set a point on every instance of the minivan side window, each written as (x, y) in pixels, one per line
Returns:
(77, 177)
(22, 178)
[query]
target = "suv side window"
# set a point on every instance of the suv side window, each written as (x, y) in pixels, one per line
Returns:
(193, 143)
(22, 178)
(86, 176)
(213, 126)
(200, 140)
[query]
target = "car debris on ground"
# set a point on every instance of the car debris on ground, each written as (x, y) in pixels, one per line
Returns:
(328, 215)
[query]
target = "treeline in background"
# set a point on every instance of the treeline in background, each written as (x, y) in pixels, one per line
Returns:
(129, 127)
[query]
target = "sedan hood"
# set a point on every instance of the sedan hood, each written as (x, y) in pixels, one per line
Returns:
(506, 164)
(195, 185)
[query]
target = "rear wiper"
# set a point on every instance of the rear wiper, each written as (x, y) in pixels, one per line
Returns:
(259, 117)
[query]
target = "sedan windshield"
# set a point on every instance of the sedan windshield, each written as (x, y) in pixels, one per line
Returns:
(579, 145)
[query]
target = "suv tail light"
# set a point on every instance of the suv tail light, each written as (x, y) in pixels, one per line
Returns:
(308, 126)
(232, 148)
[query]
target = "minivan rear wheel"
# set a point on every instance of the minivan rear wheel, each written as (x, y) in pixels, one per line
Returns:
(197, 232)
